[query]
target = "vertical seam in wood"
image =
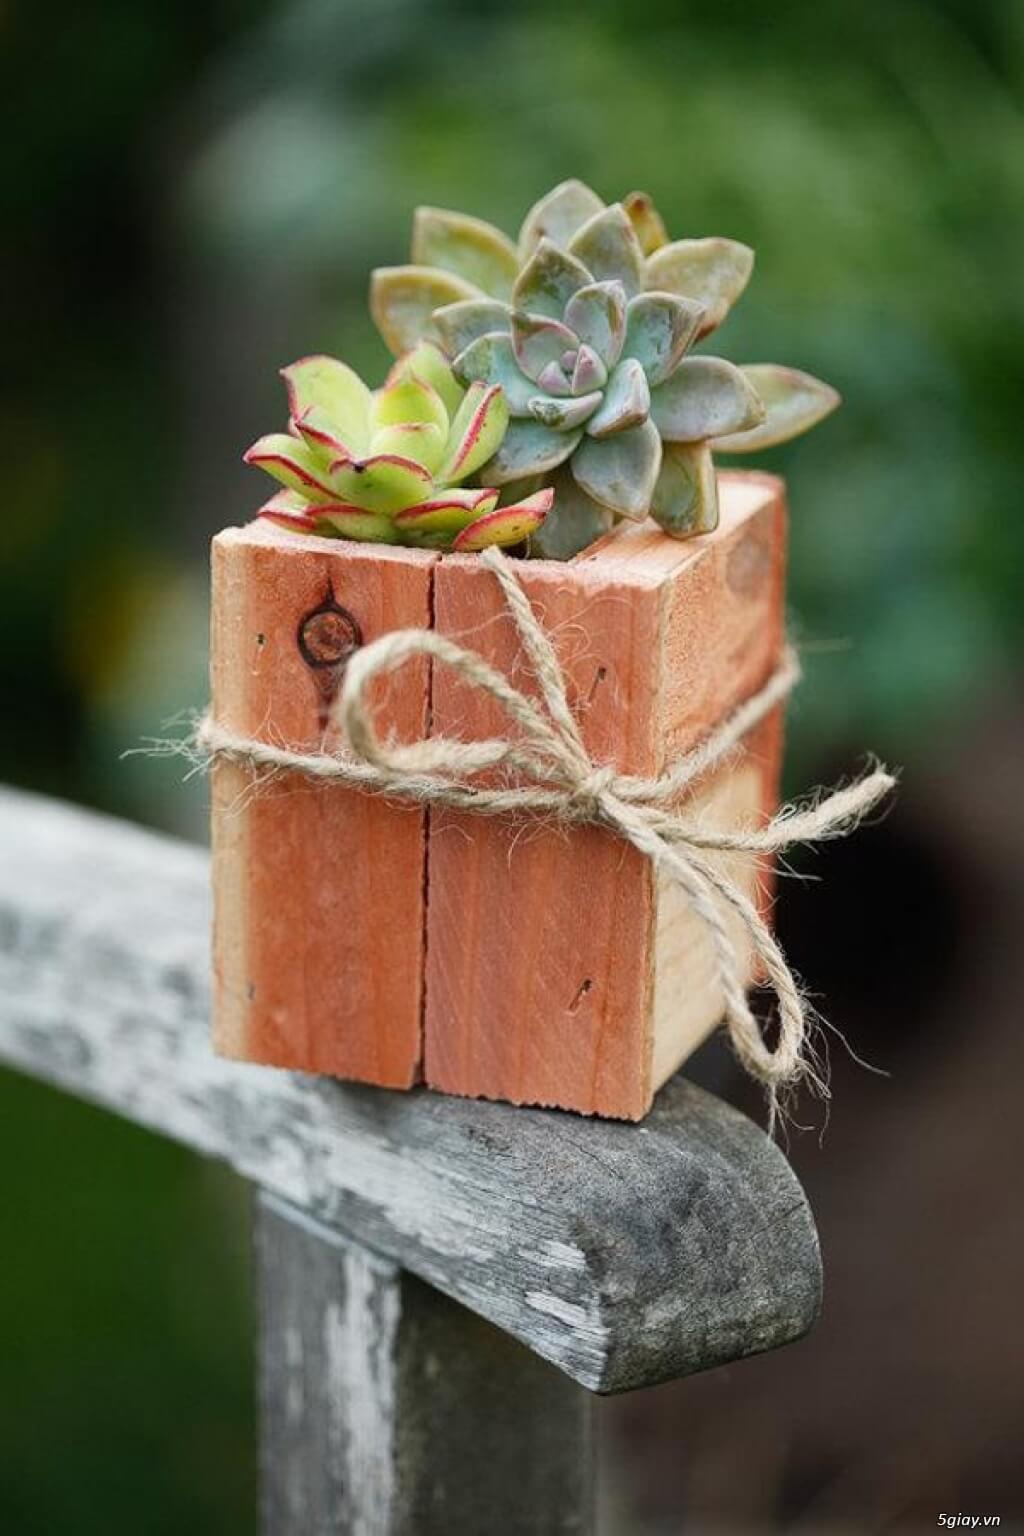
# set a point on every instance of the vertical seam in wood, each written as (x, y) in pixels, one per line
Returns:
(427, 831)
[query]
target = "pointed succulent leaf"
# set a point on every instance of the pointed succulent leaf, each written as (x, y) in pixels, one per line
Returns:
(589, 372)
(558, 215)
(422, 442)
(597, 315)
(317, 429)
(428, 363)
(385, 483)
(608, 247)
(575, 520)
(403, 299)
(794, 402)
(446, 513)
(626, 402)
(490, 360)
(459, 324)
(471, 248)
(505, 525)
(564, 415)
(538, 341)
(685, 500)
(713, 272)
(528, 449)
(293, 463)
(646, 221)
(477, 430)
(356, 523)
(289, 510)
(552, 378)
(408, 399)
(326, 385)
(548, 281)
(659, 329)
(621, 471)
(705, 397)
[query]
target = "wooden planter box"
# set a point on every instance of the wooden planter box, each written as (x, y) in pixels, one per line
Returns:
(382, 942)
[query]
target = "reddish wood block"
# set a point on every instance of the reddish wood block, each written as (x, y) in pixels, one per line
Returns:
(318, 890)
(559, 970)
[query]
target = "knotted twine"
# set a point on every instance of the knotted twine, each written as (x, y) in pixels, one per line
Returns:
(547, 771)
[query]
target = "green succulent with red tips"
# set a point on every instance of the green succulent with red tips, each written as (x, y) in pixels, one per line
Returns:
(587, 325)
(390, 466)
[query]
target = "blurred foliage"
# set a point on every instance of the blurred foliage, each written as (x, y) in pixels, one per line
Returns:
(195, 195)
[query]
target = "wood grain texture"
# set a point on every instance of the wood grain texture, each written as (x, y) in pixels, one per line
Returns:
(559, 971)
(388, 1410)
(625, 1255)
(319, 904)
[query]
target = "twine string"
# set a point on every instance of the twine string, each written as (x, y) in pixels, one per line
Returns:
(546, 770)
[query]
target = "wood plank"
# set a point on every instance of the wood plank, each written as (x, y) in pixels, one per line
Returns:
(388, 1410)
(558, 972)
(624, 1255)
(319, 901)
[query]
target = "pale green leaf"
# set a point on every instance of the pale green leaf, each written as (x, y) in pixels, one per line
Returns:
(712, 272)
(558, 215)
(705, 397)
(403, 299)
(621, 471)
(685, 500)
(794, 402)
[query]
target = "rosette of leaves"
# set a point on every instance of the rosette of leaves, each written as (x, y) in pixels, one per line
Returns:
(390, 465)
(586, 323)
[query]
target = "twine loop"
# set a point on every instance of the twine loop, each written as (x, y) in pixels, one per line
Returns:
(546, 770)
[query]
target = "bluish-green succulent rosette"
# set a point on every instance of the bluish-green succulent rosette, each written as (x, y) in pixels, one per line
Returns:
(587, 325)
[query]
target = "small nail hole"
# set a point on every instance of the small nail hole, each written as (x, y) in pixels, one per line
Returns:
(582, 990)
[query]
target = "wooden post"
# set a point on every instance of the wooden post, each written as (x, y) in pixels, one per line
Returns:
(388, 1410)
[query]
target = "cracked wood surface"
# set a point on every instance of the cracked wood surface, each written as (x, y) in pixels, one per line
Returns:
(623, 1254)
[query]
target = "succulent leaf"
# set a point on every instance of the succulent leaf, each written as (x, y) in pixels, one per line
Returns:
(558, 215)
(705, 397)
(446, 513)
(589, 372)
(428, 363)
(326, 385)
(538, 341)
(621, 471)
(575, 520)
(529, 449)
(566, 414)
(357, 523)
(478, 428)
(505, 525)
(294, 464)
(608, 247)
(553, 379)
(422, 442)
(408, 399)
(659, 329)
(646, 221)
(712, 272)
(794, 402)
(290, 510)
(403, 299)
(685, 499)
(491, 360)
(469, 247)
(597, 316)
(317, 429)
(626, 402)
(385, 483)
(459, 324)
(548, 281)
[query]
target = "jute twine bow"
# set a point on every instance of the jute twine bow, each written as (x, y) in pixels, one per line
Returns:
(547, 771)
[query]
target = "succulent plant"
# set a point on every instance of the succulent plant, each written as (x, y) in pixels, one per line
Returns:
(586, 324)
(389, 465)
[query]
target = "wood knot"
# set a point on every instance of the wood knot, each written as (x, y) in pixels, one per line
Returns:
(328, 636)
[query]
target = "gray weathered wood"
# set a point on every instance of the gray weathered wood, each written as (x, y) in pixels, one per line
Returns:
(388, 1410)
(623, 1254)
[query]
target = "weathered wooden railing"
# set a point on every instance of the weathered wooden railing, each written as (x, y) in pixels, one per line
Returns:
(440, 1279)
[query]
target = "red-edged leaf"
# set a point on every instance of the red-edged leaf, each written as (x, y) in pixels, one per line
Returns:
(505, 525)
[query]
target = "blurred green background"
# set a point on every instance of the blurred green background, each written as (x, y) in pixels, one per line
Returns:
(193, 197)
